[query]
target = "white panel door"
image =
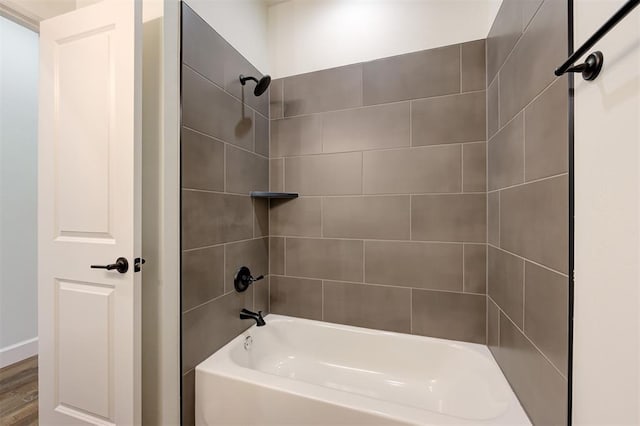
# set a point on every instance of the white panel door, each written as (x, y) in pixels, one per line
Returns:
(89, 214)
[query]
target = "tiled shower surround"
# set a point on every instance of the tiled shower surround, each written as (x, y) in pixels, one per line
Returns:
(528, 213)
(389, 231)
(224, 154)
(408, 219)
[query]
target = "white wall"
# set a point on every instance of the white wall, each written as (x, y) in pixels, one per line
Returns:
(606, 381)
(18, 190)
(243, 23)
(310, 35)
(161, 213)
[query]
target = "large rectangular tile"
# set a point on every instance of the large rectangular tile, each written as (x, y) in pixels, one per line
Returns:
(506, 283)
(276, 175)
(475, 268)
(261, 144)
(296, 136)
(202, 276)
(202, 161)
(325, 90)
(209, 109)
(234, 65)
(546, 314)
(493, 120)
(503, 35)
(276, 99)
(382, 126)
(188, 399)
(261, 296)
(474, 167)
(473, 66)
(370, 217)
(447, 315)
(382, 308)
(246, 171)
(450, 217)
(413, 170)
(493, 325)
(493, 218)
(276, 255)
(209, 327)
(254, 254)
(414, 264)
(261, 217)
(296, 297)
(545, 40)
(541, 389)
(328, 174)
(547, 132)
(534, 221)
(324, 258)
(506, 155)
(449, 119)
(211, 218)
(396, 78)
(202, 46)
(297, 217)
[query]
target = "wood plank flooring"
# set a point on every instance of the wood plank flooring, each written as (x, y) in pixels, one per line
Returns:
(19, 393)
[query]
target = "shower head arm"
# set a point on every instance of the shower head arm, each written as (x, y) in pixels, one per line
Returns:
(243, 79)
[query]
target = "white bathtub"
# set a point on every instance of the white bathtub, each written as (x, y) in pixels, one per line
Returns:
(301, 372)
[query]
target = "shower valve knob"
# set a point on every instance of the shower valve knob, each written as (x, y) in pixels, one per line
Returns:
(244, 279)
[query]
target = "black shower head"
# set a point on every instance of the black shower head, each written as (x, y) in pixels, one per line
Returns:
(261, 86)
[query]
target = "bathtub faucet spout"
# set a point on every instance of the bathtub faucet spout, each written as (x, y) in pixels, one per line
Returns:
(247, 314)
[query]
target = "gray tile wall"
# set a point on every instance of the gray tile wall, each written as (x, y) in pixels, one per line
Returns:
(224, 155)
(528, 219)
(389, 158)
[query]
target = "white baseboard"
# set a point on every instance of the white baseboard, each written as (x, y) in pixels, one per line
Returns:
(18, 352)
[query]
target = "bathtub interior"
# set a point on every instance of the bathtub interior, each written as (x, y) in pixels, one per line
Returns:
(452, 378)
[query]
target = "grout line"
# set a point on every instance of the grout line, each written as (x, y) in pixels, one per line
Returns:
(223, 89)
(533, 344)
(524, 147)
(410, 217)
(241, 148)
(529, 182)
(499, 218)
(322, 217)
(362, 173)
(461, 168)
(322, 302)
(391, 148)
(524, 290)
(222, 244)
(364, 261)
(530, 261)
(463, 289)
(411, 311)
(377, 240)
(284, 256)
(224, 168)
(460, 49)
(498, 83)
(527, 105)
(373, 195)
(383, 104)
(410, 123)
(379, 285)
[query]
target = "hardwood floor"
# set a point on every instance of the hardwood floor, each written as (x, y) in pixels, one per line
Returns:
(19, 393)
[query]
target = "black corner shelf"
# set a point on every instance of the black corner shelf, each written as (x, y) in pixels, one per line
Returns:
(262, 194)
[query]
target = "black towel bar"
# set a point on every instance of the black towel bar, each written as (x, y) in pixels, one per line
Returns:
(591, 67)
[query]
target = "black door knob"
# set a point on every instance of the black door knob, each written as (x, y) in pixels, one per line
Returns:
(121, 266)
